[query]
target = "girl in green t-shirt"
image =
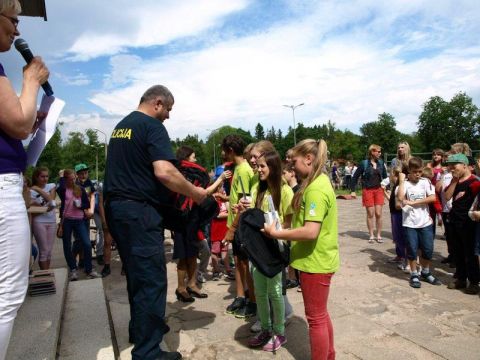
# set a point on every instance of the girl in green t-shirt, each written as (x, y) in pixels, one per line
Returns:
(267, 289)
(314, 234)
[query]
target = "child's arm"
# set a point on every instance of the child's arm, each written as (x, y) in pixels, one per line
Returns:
(450, 189)
(401, 187)
(308, 232)
(427, 200)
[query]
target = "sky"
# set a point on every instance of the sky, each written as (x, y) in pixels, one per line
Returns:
(237, 62)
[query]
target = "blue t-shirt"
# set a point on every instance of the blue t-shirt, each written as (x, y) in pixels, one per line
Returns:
(13, 158)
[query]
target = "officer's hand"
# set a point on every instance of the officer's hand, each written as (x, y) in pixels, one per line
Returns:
(199, 195)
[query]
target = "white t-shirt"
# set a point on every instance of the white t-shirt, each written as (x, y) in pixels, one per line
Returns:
(419, 216)
(38, 200)
(446, 180)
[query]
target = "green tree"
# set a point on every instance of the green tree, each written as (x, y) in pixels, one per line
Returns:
(259, 132)
(381, 132)
(443, 123)
(52, 155)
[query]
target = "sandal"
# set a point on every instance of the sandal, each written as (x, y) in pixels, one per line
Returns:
(371, 240)
(379, 240)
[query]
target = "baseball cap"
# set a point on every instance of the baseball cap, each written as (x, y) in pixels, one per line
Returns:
(457, 158)
(80, 167)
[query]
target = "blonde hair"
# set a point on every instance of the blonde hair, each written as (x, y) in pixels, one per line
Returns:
(263, 146)
(14, 5)
(427, 172)
(77, 190)
(317, 148)
(373, 147)
(407, 155)
(248, 150)
(461, 148)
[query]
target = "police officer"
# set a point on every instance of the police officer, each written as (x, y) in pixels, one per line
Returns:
(139, 175)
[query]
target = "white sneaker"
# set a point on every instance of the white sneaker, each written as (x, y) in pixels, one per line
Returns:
(93, 275)
(257, 327)
(73, 275)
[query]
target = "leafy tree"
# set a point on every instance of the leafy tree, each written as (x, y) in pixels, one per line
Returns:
(52, 155)
(381, 132)
(443, 123)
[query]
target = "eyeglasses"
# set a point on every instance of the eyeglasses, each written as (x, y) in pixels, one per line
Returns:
(13, 20)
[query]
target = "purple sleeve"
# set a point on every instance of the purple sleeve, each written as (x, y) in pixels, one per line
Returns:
(2, 72)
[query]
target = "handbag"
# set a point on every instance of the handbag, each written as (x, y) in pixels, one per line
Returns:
(60, 224)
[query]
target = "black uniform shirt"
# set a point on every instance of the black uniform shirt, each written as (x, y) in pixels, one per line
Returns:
(136, 142)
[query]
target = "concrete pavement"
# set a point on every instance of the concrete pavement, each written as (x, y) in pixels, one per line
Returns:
(375, 313)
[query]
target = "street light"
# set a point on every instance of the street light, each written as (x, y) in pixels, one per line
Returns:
(96, 161)
(214, 146)
(105, 135)
(293, 107)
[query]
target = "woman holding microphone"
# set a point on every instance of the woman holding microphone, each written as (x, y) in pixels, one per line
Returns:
(18, 117)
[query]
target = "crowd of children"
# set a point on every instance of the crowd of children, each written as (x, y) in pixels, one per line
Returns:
(444, 191)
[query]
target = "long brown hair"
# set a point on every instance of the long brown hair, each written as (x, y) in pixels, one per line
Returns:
(317, 148)
(274, 180)
(36, 174)
(77, 190)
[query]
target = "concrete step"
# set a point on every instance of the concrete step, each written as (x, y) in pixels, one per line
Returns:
(86, 328)
(37, 326)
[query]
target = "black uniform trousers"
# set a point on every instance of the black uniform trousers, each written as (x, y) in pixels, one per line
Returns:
(137, 229)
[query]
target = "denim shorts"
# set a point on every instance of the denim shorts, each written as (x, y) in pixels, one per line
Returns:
(419, 238)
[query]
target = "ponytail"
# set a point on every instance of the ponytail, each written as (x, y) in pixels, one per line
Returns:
(317, 148)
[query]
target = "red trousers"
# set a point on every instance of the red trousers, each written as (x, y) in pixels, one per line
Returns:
(315, 289)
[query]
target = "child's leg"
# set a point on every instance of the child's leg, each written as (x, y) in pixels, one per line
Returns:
(412, 247)
(261, 293)
(426, 244)
(274, 288)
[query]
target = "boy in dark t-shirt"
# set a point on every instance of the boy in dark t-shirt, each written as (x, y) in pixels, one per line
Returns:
(462, 190)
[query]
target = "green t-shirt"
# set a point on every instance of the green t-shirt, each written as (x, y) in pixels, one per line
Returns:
(245, 173)
(286, 197)
(319, 205)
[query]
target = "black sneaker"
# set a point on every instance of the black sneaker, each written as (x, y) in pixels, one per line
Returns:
(428, 277)
(237, 304)
(249, 310)
(415, 282)
(291, 283)
(230, 275)
(100, 260)
(106, 270)
(472, 289)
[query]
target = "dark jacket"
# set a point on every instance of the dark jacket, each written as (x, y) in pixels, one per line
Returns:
(262, 251)
(371, 178)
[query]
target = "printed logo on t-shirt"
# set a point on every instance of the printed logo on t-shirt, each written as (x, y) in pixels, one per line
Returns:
(122, 134)
(311, 212)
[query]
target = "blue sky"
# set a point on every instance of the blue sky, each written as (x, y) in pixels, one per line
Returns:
(237, 62)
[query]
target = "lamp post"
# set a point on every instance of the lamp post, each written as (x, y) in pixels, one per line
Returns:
(293, 107)
(96, 161)
(105, 135)
(214, 146)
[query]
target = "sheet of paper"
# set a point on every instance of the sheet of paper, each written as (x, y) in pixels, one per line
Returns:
(52, 106)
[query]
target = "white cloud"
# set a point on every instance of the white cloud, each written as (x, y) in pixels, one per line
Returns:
(79, 79)
(348, 77)
(82, 122)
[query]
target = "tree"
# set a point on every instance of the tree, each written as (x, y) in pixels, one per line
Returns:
(259, 132)
(381, 132)
(443, 123)
(52, 155)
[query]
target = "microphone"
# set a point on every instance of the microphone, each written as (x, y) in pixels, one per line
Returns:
(22, 47)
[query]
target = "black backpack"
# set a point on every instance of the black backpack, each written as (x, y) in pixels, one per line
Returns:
(265, 253)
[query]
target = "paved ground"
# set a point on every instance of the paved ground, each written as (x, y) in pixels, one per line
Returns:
(376, 315)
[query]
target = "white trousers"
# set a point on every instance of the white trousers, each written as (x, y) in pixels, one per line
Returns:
(15, 249)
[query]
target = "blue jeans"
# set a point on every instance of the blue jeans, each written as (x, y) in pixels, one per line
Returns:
(70, 225)
(419, 238)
